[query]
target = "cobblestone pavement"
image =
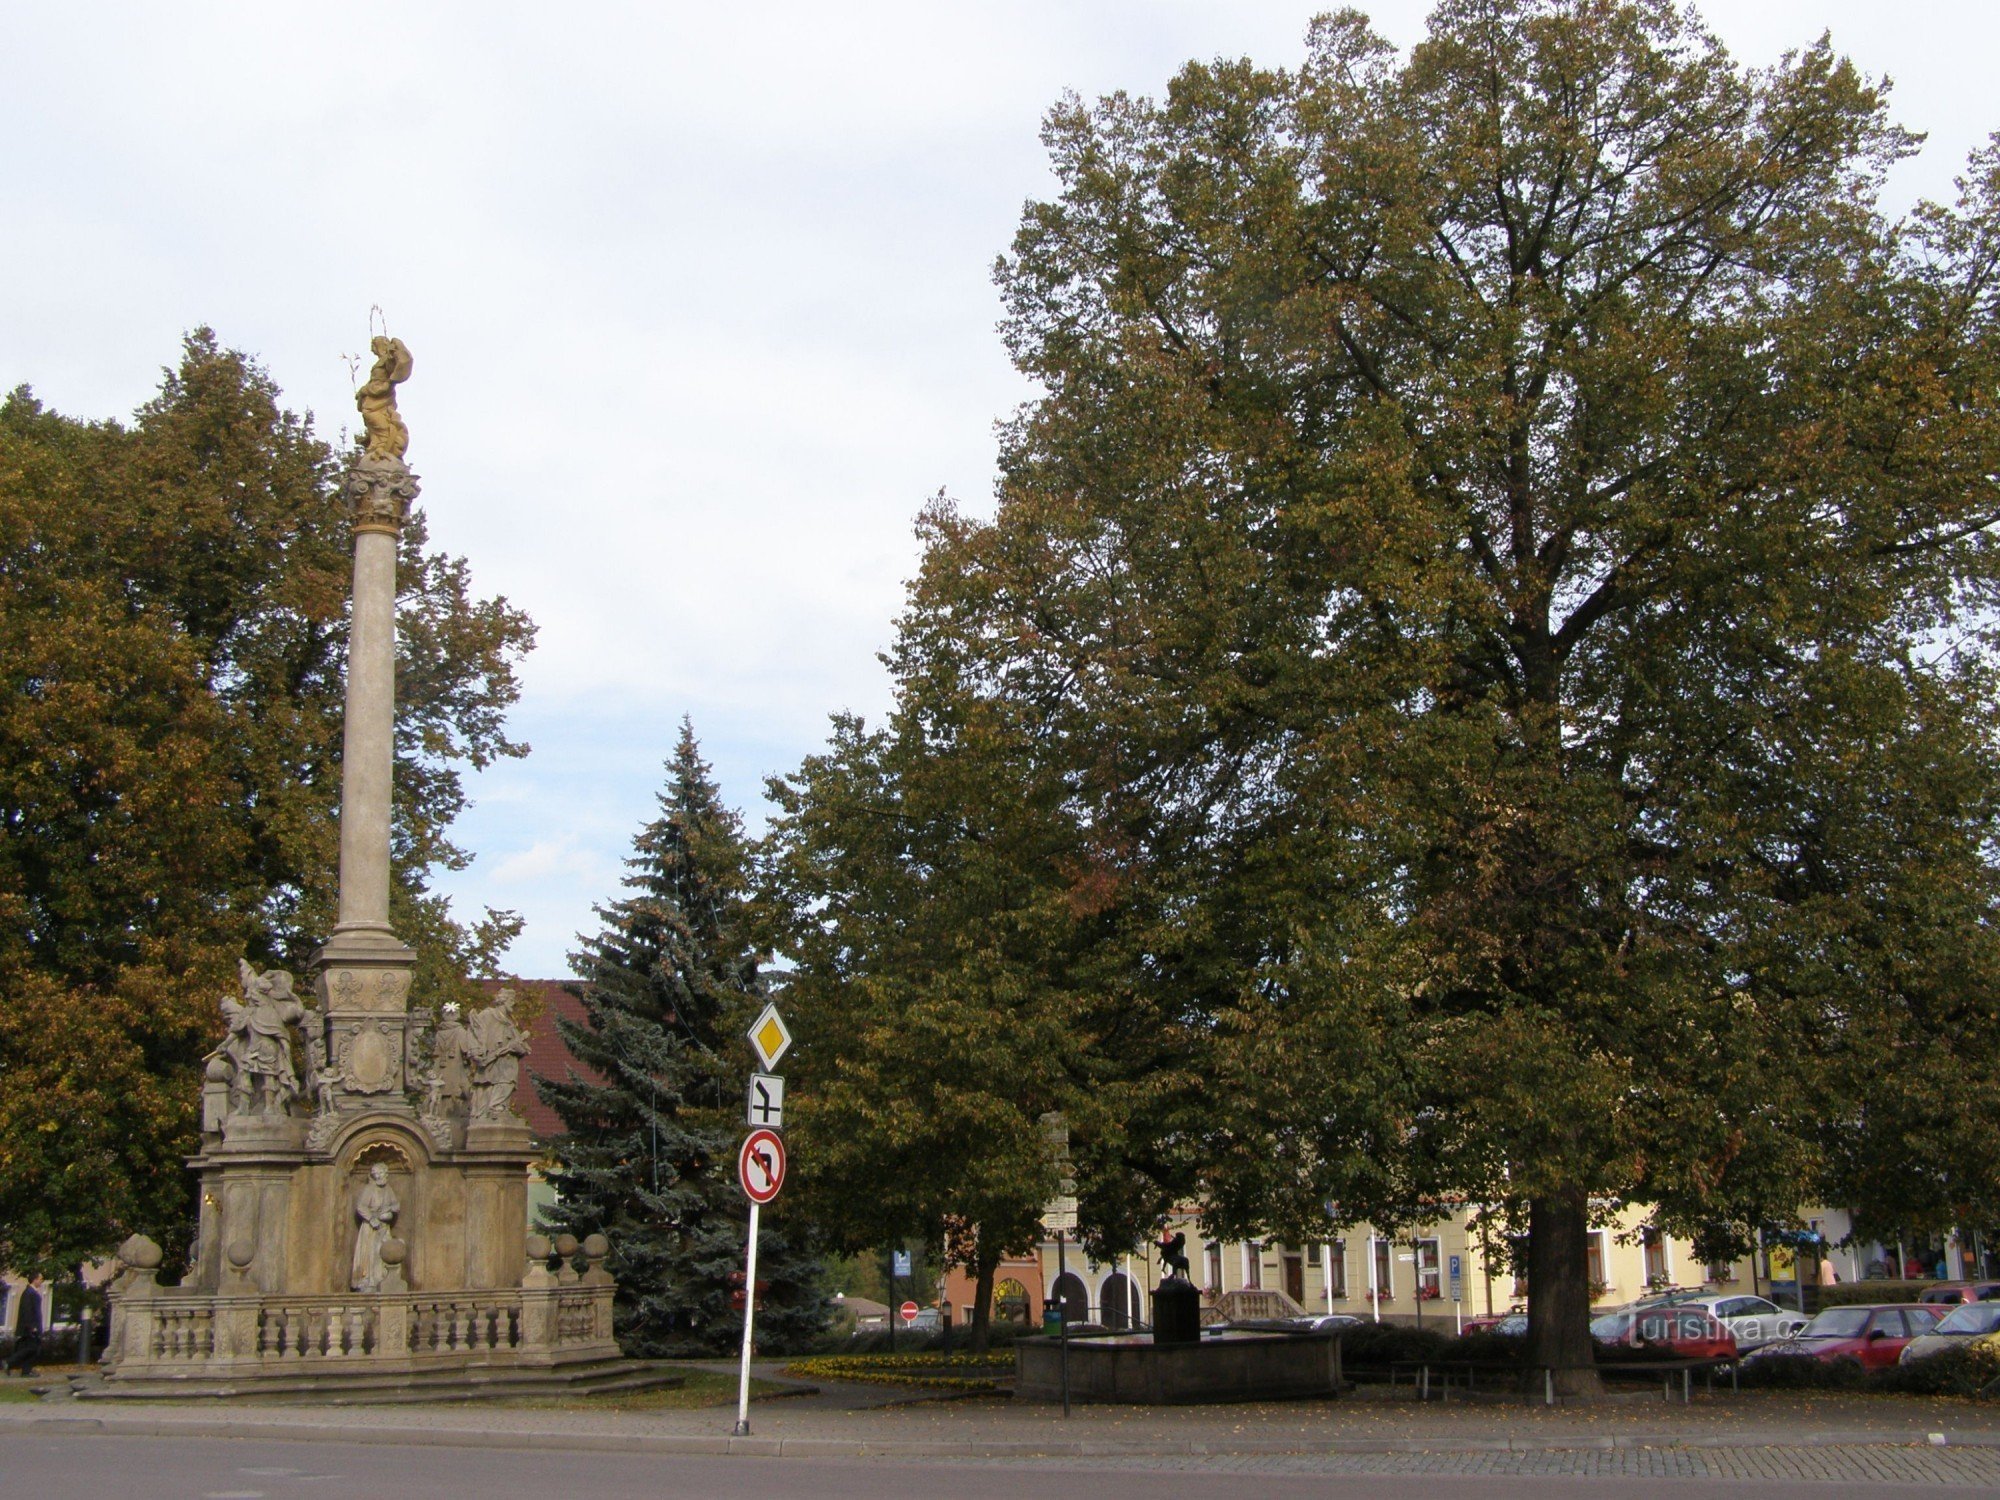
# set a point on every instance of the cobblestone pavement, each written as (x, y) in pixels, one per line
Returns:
(1869, 1464)
(1755, 1439)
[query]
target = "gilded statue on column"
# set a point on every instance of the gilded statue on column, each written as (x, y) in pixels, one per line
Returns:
(388, 438)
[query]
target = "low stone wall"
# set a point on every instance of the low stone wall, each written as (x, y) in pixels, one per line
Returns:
(1133, 1370)
(180, 1333)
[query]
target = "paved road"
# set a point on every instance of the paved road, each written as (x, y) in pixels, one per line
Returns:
(181, 1468)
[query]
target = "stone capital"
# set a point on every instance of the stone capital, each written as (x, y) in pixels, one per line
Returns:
(379, 493)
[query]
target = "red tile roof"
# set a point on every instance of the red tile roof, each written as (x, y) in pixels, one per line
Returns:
(547, 1056)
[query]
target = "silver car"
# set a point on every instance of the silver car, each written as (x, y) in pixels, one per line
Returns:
(1753, 1320)
(1968, 1321)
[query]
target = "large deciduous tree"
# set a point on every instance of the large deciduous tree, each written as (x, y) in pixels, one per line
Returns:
(669, 987)
(943, 929)
(1504, 561)
(172, 639)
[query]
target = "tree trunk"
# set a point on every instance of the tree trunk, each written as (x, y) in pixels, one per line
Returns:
(984, 1267)
(1559, 1296)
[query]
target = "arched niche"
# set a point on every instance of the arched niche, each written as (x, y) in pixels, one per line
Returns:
(404, 1151)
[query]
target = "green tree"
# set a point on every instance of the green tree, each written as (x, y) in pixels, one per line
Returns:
(947, 935)
(669, 987)
(172, 641)
(1505, 553)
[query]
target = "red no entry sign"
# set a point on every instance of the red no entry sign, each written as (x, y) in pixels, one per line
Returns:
(760, 1165)
(909, 1312)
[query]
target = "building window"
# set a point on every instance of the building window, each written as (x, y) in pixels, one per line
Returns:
(1654, 1244)
(1336, 1265)
(1214, 1266)
(1429, 1280)
(1253, 1265)
(1312, 1254)
(1385, 1260)
(1594, 1261)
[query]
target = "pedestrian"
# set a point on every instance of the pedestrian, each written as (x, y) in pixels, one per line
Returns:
(27, 1331)
(1828, 1276)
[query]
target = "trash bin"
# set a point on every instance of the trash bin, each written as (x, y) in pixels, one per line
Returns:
(1051, 1318)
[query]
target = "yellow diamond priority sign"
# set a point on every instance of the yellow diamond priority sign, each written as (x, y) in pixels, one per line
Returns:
(770, 1037)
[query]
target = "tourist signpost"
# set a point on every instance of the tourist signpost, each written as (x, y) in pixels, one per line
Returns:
(760, 1168)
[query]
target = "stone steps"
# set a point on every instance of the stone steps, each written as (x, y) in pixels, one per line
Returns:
(322, 1385)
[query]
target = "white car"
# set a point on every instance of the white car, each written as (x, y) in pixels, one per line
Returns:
(1753, 1320)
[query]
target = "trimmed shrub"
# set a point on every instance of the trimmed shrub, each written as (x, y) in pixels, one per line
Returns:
(1801, 1372)
(1385, 1343)
(1970, 1369)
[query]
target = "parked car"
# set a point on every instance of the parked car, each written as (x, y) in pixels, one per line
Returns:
(1969, 1320)
(1752, 1321)
(1688, 1331)
(1961, 1291)
(1873, 1336)
(1513, 1324)
(1326, 1322)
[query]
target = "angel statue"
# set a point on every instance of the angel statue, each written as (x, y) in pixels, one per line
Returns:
(259, 1044)
(387, 436)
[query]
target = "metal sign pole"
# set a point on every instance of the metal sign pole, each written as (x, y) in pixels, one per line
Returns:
(749, 1317)
(1062, 1317)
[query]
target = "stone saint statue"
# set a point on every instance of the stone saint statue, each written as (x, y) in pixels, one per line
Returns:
(388, 438)
(375, 1207)
(319, 1077)
(259, 1045)
(451, 1051)
(496, 1053)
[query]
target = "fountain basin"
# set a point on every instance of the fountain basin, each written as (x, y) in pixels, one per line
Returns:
(1130, 1369)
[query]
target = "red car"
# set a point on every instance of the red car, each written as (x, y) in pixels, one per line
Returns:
(1872, 1336)
(1688, 1332)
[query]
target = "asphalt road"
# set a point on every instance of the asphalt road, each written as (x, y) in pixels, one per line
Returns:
(233, 1469)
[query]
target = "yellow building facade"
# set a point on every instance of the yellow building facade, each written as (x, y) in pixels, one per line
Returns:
(1447, 1270)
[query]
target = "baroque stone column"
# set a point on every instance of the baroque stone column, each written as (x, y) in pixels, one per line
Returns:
(362, 974)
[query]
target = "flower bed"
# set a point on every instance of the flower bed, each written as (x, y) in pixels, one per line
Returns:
(922, 1370)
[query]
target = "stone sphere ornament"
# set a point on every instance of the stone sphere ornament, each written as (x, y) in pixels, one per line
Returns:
(596, 1247)
(141, 1253)
(565, 1245)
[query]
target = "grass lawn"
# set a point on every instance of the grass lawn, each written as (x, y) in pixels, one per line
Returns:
(16, 1389)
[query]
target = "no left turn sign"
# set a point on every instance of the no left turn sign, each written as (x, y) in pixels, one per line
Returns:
(760, 1165)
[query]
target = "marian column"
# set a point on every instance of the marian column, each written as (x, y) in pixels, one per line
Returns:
(362, 974)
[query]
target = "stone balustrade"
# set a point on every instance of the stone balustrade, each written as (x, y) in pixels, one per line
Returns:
(166, 1331)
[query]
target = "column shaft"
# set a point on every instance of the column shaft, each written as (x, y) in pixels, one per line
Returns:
(370, 748)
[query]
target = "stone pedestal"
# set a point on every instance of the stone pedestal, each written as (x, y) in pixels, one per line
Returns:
(1176, 1312)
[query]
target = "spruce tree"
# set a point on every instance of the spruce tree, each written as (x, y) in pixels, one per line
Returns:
(669, 986)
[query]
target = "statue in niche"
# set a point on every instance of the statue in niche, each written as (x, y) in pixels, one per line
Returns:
(387, 437)
(375, 1209)
(496, 1050)
(258, 1047)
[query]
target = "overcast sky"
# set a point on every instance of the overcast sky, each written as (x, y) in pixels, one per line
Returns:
(701, 306)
